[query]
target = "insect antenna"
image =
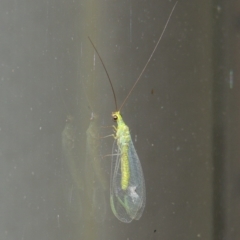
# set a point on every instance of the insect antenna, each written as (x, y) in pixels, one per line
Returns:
(160, 38)
(114, 95)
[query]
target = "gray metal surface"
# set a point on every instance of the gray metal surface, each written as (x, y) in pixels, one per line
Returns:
(48, 72)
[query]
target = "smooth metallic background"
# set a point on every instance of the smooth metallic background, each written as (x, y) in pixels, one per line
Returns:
(183, 116)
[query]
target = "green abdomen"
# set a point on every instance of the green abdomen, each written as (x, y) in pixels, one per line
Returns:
(125, 167)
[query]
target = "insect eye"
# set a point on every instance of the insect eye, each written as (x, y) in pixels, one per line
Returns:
(115, 118)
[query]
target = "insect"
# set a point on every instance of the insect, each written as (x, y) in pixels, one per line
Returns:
(127, 187)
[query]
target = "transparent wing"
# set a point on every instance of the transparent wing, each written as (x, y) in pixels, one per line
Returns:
(117, 205)
(137, 191)
(127, 204)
